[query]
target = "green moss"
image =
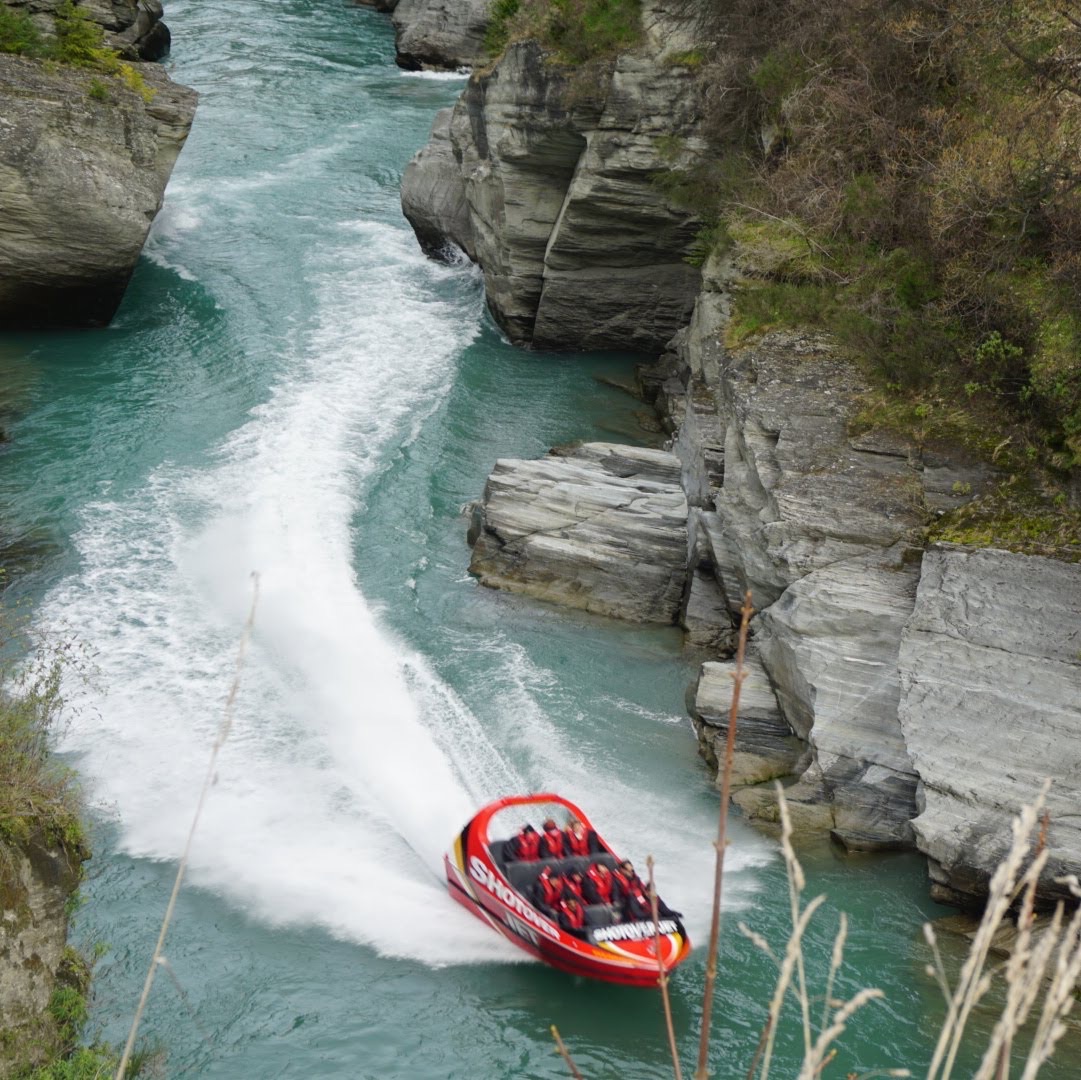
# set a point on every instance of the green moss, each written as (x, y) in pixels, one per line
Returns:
(689, 58)
(1015, 518)
(762, 306)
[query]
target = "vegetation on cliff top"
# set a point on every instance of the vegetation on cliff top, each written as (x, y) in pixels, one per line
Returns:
(78, 42)
(576, 31)
(907, 176)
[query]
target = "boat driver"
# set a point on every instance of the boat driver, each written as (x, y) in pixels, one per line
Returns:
(525, 847)
(636, 902)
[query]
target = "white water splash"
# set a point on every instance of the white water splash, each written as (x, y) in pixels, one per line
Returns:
(348, 758)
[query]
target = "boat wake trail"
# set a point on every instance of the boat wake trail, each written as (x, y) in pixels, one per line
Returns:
(336, 789)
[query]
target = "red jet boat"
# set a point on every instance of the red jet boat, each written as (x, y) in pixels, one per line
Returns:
(498, 891)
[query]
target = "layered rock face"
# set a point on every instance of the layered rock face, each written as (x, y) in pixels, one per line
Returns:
(36, 883)
(990, 665)
(817, 525)
(82, 180)
(545, 176)
(875, 668)
(766, 748)
(602, 528)
(439, 33)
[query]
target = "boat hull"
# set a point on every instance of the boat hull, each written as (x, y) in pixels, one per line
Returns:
(624, 953)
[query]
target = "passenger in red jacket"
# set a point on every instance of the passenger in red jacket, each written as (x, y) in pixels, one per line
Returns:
(574, 885)
(601, 886)
(552, 841)
(572, 916)
(636, 902)
(525, 847)
(580, 840)
(548, 891)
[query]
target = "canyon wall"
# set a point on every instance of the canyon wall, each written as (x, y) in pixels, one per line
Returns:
(879, 660)
(37, 883)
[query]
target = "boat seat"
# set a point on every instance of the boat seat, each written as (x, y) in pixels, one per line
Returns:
(522, 875)
(598, 915)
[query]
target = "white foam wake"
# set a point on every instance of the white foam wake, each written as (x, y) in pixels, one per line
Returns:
(334, 796)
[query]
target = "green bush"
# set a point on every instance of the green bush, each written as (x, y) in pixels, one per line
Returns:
(39, 796)
(577, 31)
(80, 42)
(18, 34)
(498, 31)
(917, 161)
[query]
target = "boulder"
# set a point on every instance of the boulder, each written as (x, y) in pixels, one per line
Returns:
(601, 527)
(82, 179)
(440, 34)
(990, 706)
(765, 747)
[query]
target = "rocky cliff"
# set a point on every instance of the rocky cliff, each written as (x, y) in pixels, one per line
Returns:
(37, 882)
(546, 176)
(990, 706)
(84, 160)
(132, 27)
(83, 166)
(878, 661)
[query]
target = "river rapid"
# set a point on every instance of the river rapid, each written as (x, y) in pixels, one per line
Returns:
(290, 387)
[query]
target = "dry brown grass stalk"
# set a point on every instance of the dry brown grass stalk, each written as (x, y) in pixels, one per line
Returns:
(818, 1049)
(566, 1054)
(662, 974)
(1041, 973)
(721, 843)
(156, 959)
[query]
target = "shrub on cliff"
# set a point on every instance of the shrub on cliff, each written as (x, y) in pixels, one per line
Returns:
(907, 175)
(18, 34)
(577, 31)
(39, 798)
(79, 42)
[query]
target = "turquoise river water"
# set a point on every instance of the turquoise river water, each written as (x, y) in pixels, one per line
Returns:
(291, 387)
